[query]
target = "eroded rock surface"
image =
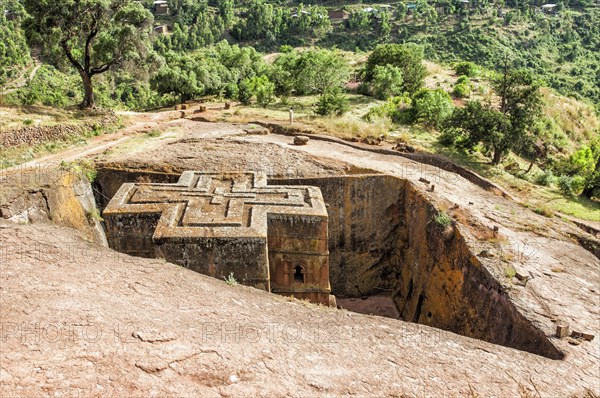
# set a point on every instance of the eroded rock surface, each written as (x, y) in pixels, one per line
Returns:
(78, 319)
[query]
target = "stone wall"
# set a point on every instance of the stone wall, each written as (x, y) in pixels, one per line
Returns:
(33, 135)
(364, 221)
(443, 284)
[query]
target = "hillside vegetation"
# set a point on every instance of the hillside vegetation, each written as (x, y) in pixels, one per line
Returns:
(501, 87)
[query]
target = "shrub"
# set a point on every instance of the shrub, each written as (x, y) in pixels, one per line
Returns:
(387, 81)
(432, 107)
(245, 92)
(395, 108)
(449, 136)
(571, 186)
(332, 102)
(408, 57)
(468, 69)
(264, 90)
(443, 220)
(230, 280)
(546, 178)
(462, 90)
(577, 184)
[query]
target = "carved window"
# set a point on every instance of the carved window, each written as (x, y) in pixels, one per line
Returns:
(299, 274)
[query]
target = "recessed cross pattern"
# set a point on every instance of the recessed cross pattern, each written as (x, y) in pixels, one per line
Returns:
(220, 205)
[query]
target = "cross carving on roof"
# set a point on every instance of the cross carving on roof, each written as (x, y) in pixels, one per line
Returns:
(215, 205)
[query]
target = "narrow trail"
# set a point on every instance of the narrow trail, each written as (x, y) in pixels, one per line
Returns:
(21, 81)
(140, 123)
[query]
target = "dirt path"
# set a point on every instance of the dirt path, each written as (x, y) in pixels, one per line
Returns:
(139, 123)
(21, 81)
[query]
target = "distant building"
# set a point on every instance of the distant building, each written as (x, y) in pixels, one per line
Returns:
(549, 8)
(161, 29)
(161, 7)
(338, 15)
(464, 4)
(440, 8)
(303, 12)
(9, 15)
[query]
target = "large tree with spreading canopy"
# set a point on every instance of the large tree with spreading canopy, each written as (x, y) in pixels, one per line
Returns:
(93, 36)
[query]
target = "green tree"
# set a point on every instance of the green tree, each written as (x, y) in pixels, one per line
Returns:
(401, 10)
(509, 128)
(407, 57)
(462, 89)
(387, 81)
(177, 81)
(264, 90)
(14, 52)
(468, 69)
(432, 107)
(332, 102)
(245, 92)
(312, 71)
(93, 35)
(226, 10)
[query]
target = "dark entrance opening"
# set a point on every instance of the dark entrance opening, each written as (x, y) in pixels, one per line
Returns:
(298, 274)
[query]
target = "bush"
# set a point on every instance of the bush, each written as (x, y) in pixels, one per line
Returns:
(245, 92)
(463, 79)
(462, 90)
(312, 71)
(468, 69)
(49, 87)
(332, 102)
(387, 81)
(546, 178)
(449, 136)
(395, 108)
(443, 220)
(264, 90)
(577, 184)
(408, 57)
(571, 186)
(432, 107)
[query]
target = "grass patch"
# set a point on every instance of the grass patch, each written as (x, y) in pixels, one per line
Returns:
(93, 216)
(230, 280)
(510, 272)
(544, 211)
(443, 220)
(83, 168)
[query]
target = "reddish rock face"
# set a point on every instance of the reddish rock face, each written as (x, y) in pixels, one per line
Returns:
(271, 237)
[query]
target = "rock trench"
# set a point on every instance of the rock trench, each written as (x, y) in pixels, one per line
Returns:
(385, 247)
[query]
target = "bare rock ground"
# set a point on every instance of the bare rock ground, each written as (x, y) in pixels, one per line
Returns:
(80, 320)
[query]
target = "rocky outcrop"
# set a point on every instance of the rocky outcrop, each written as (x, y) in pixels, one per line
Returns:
(56, 195)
